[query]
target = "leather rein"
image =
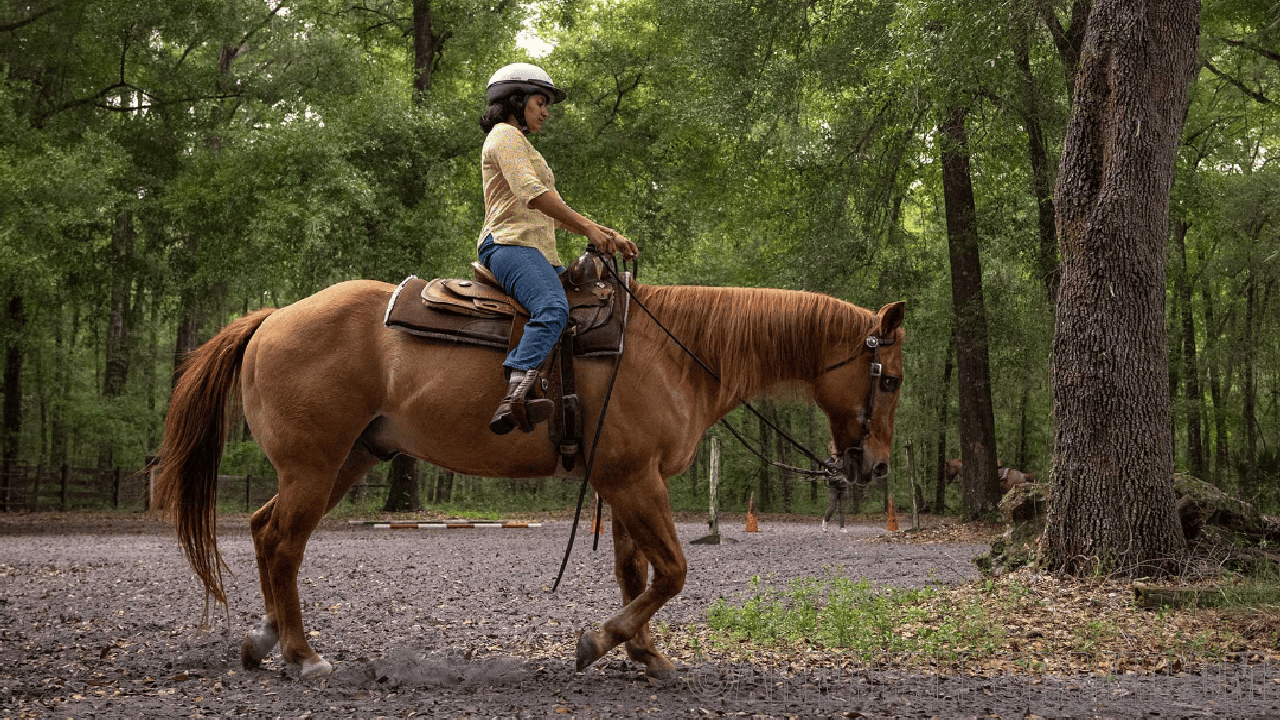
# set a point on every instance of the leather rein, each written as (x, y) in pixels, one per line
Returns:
(831, 466)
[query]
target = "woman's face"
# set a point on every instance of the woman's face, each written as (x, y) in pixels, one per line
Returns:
(536, 112)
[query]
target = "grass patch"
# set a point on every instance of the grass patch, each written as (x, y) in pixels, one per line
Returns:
(837, 612)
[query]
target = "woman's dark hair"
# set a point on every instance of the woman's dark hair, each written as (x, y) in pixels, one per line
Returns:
(507, 106)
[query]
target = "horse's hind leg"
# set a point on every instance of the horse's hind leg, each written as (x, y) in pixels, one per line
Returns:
(259, 642)
(632, 570)
(642, 511)
(279, 554)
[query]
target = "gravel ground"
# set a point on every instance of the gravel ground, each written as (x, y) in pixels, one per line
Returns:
(102, 618)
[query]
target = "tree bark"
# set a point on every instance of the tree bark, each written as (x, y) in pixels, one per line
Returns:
(980, 488)
(1113, 466)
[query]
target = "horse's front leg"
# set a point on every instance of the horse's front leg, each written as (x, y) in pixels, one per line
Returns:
(631, 568)
(644, 535)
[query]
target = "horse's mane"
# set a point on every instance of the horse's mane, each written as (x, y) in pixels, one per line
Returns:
(756, 338)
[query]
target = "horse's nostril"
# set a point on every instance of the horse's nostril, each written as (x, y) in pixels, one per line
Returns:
(881, 469)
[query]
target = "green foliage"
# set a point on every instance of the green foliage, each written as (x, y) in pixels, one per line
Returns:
(837, 612)
(204, 159)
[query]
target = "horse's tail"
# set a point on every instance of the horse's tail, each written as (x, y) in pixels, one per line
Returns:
(186, 477)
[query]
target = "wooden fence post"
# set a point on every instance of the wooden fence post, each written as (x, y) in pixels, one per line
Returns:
(34, 504)
(248, 480)
(66, 480)
(115, 489)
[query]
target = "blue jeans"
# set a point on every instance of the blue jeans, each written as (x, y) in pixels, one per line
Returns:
(534, 283)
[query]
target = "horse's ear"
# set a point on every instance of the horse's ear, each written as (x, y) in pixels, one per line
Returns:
(891, 317)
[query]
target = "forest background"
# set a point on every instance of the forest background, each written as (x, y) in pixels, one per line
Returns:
(166, 167)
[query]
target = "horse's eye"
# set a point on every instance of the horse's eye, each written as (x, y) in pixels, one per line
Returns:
(889, 383)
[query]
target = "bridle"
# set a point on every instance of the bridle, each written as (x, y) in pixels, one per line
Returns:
(876, 382)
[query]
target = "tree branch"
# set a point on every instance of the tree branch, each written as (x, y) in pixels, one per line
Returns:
(1257, 96)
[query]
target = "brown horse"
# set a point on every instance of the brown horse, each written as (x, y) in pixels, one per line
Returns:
(1009, 477)
(327, 390)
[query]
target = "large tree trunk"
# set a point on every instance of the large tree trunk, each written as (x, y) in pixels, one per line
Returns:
(1191, 384)
(980, 488)
(1113, 468)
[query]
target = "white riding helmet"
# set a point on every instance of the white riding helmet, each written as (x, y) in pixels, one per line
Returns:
(522, 78)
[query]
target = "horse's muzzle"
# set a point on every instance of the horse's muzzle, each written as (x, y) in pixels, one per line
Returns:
(856, 466)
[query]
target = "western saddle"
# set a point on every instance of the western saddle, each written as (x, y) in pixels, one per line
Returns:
(477, 311)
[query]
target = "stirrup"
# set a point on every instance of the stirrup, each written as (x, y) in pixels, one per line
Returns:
(517, 410)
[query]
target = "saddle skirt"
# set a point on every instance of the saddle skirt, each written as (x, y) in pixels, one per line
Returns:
(478, 311)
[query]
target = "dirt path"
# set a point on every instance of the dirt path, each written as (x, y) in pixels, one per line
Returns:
(102, 622)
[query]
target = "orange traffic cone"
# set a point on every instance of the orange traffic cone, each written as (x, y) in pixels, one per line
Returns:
(752, 525)
(893, 517)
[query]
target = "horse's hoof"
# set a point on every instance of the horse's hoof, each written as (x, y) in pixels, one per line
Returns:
(316, 669)
(590, 649)
(247, 659)
(660, 669)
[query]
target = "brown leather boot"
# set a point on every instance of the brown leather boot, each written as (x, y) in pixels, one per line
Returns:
(518, 409)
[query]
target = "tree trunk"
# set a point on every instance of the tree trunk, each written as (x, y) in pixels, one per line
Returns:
(944, 404)
(1249, 478)
(783, 455)
(427, 46)
(1113, 470)
(764, 475)
(1191, 383)
(980, 488)
(1041, 174)
(444, 487)
(1214, 374)
(15, 319)
(402, 495)
(116, 366)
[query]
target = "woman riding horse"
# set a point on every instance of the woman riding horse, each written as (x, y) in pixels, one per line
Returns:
(518, 241)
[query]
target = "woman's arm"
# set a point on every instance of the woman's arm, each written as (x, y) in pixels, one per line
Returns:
(605, 239)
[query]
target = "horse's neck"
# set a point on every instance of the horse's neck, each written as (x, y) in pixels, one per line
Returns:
(751, 340)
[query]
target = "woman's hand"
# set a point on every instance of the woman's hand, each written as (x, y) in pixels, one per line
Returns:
(605, 239)
(610, 241)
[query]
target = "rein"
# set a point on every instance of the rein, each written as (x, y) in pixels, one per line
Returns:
(595, 441)
(830, 468)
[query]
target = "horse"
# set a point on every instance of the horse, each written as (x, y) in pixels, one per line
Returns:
(328, 392)
(1009, 477)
